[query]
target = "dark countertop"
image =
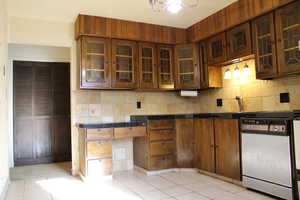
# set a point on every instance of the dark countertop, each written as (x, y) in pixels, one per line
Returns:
(112, 125)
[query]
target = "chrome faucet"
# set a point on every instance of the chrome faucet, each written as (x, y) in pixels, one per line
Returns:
(240, 102)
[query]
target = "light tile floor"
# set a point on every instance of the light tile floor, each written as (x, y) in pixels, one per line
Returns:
(54, 182)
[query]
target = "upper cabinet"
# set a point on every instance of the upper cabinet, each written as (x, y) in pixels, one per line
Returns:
(239, 42)
(147, 66)
(95, 62)
(264, 45)
(288, 37)
(165, 67)
(187, 66)
(216, 49)
(124, 64)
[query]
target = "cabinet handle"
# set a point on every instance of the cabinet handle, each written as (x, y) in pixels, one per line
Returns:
(217, 146)
(279, 40)
(212, 146)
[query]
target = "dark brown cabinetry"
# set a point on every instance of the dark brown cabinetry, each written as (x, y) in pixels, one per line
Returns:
(239, 42)
(95, 63)
(187, 66)
(217, 147)
(185, 140)
(288, 37)
(124, 64)
(165, 67)
(147, 66)
(216, 49)
(264, 44)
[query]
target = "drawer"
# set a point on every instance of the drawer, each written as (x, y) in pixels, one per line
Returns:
(161, 124)
(162, 148)
(162, 162)
(101, 167)
(99, 134)
(97, 149)
(162, 135)
(129, 132)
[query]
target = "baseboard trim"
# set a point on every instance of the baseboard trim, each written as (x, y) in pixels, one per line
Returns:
(5, 189)
(163, 171)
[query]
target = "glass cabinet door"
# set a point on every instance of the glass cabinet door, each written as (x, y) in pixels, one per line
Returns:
(95, 66)
(187, 66)
(147, 66)
(239, 42)
(165, 67)
(264, 46)
(216, 49)
(288, 35)
(124, 64)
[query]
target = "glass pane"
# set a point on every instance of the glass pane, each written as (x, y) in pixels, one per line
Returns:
(186, 78)
(147, 65)
(291, 36)
(217, 48)
(165, 66)
(147, 52)
(124, 64)
(95, 48)
(186, 66)
(292, 58)
(95, 76)
(95, 62)
(165, 79)
(147, 78)
(266, 63)
(124, 77)
(124, 50)
(165, 53)
(239, 41)
(265, 45)
(185, 53)
(263, 27)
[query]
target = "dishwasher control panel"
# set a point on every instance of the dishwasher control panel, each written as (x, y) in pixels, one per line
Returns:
(265, 126)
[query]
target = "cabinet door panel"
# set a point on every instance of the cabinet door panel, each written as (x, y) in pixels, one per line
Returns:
(288, 35)
(162, 148)
(227, 148)
(204, 144)
(124, 64)
(187, 66)
(147, 66)
(239, 42)
(165, 67)
(216, 49)
(95, 57)
(263, 29)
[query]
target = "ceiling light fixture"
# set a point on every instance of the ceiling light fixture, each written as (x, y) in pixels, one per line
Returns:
(173, 6)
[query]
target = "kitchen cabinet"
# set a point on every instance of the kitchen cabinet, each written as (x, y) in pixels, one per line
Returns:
(185, 141)
(165, 67)
(264, 44)
(239, 42)
(217, 147)
(205, 144)
(227, 147)
(216, 49)
(210, 76)
(124, 64)
(288, 37)
(95, 63)
(187, 66)
(158, 150)
(147, 66)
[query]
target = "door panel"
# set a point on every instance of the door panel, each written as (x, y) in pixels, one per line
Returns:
(41, 112)
(216, 49)
(204, 144)
(165, 67)
(227, 142)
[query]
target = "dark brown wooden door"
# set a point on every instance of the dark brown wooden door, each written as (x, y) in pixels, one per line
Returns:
(147, 66)
(227, 142)
(124, 64)
(95, 63)
(187, 66)
(288, 37)
(204, 144)
(216, 49)
(165, 67)
(203, 65)
(42, 130)
(264, 45)
(185, 140)
(239, 42)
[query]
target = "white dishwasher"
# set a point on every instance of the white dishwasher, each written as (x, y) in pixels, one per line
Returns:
(266, 156)
(297, 145)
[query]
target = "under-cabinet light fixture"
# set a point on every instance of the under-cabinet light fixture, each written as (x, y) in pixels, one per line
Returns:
(236, 72)
(246, 70)
(227, 74)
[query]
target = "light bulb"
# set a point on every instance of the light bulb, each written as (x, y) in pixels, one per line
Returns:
(174, 6)
(246, 70)
(236, 73)
(227, 74)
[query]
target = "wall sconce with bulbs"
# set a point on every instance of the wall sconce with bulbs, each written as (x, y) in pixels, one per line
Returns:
(237, 72)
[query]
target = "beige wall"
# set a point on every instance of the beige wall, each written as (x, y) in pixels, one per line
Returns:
(259, 95)
(4, 173)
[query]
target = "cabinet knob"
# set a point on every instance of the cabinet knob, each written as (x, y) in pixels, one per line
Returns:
(212, 146)
(279, 40)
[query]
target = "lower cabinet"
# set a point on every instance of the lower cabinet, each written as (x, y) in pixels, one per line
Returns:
(217, 148)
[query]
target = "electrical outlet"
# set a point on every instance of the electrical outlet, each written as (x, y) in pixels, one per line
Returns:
(285, 97)
(219, 102)
(138, 105)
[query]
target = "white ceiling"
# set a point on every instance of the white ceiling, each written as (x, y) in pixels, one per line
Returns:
(135, 10)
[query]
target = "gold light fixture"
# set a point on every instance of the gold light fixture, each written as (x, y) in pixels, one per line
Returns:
(227, 74)
(247, 70)
(236, 73)
(173, 6)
